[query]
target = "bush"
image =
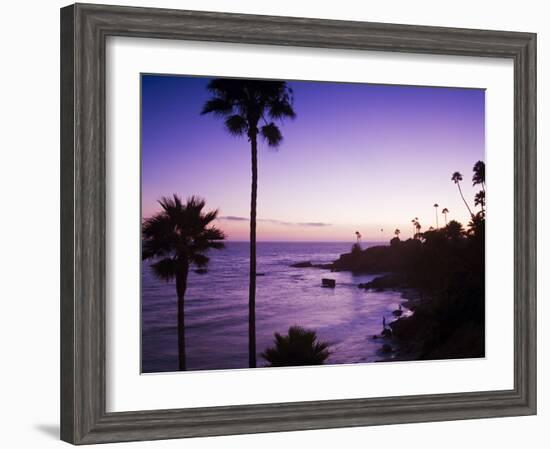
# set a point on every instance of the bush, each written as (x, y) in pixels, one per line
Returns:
(300, 347)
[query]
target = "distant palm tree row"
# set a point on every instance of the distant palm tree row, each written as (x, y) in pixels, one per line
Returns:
(478, 178)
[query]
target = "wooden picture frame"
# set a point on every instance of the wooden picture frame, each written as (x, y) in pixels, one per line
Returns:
(84, 29)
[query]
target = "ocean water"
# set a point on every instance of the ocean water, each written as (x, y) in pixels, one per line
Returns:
(216, 308)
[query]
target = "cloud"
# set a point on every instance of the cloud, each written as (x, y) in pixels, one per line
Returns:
(314, 224)
(233, 218)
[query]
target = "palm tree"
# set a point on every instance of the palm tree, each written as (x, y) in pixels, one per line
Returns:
(479, 200)
(397, 232)
(445, 211)
(300, 347)
(479, 174)
(418, 227)
(454, 230)
(456, 178)
(414, 221)
(176, 238)
(436, 217)
(479, 179)
(244, 104)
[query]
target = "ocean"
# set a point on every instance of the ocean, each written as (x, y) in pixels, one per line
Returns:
(216, 308)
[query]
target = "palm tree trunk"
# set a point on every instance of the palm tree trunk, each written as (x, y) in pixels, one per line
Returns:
(463, 199)
(436, 219)
(252, 279)
(181, 286)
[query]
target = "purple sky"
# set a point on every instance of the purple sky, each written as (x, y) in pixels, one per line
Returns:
(357, 157)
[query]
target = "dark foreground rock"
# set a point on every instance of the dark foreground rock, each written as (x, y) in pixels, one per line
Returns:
(388, 281)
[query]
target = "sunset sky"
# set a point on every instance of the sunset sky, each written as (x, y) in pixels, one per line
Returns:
(358, 157)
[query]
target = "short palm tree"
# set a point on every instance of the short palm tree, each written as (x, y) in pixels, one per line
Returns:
(454, 230)
(300, 347)
(418, 227)
(175, 239)
(397, 232)
(456, 178)
(251, 108)
(414, 221)
(445, 211)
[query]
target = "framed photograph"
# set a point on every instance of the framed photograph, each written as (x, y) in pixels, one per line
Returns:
(273, 223)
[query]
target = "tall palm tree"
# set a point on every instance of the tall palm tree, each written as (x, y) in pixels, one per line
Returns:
(479, 179)
(251, 108)
(479, 200)
(479, 174)
(436, 217)
(176, 238)
(445, 211)
(456, 178)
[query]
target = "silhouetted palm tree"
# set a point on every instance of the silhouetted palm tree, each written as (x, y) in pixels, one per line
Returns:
(176, 238)
(479, 179)
(456, 178)
(300, 347)
(397, 232)
(479, 174)
(445, 211)
(418, 227)
(414, 221)
(454, 230)
(479, 200)
(244, 104)
(436, 217)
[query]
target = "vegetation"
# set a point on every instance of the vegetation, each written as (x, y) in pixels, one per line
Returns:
(446, 266)
(300, 347)
(175, 239)
(251, 108)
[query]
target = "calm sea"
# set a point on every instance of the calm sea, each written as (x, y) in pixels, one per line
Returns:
(216, 308)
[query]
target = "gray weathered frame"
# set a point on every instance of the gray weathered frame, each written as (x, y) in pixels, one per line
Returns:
(84, 29)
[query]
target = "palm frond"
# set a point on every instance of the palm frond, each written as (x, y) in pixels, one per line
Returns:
(209, 217)
(272, 134)
(165, 269)
(280, 109)
(157, 236)
(217, 106)
(236, 125)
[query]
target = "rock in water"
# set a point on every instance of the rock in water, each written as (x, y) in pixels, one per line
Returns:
(306, 264)
(330, 283)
